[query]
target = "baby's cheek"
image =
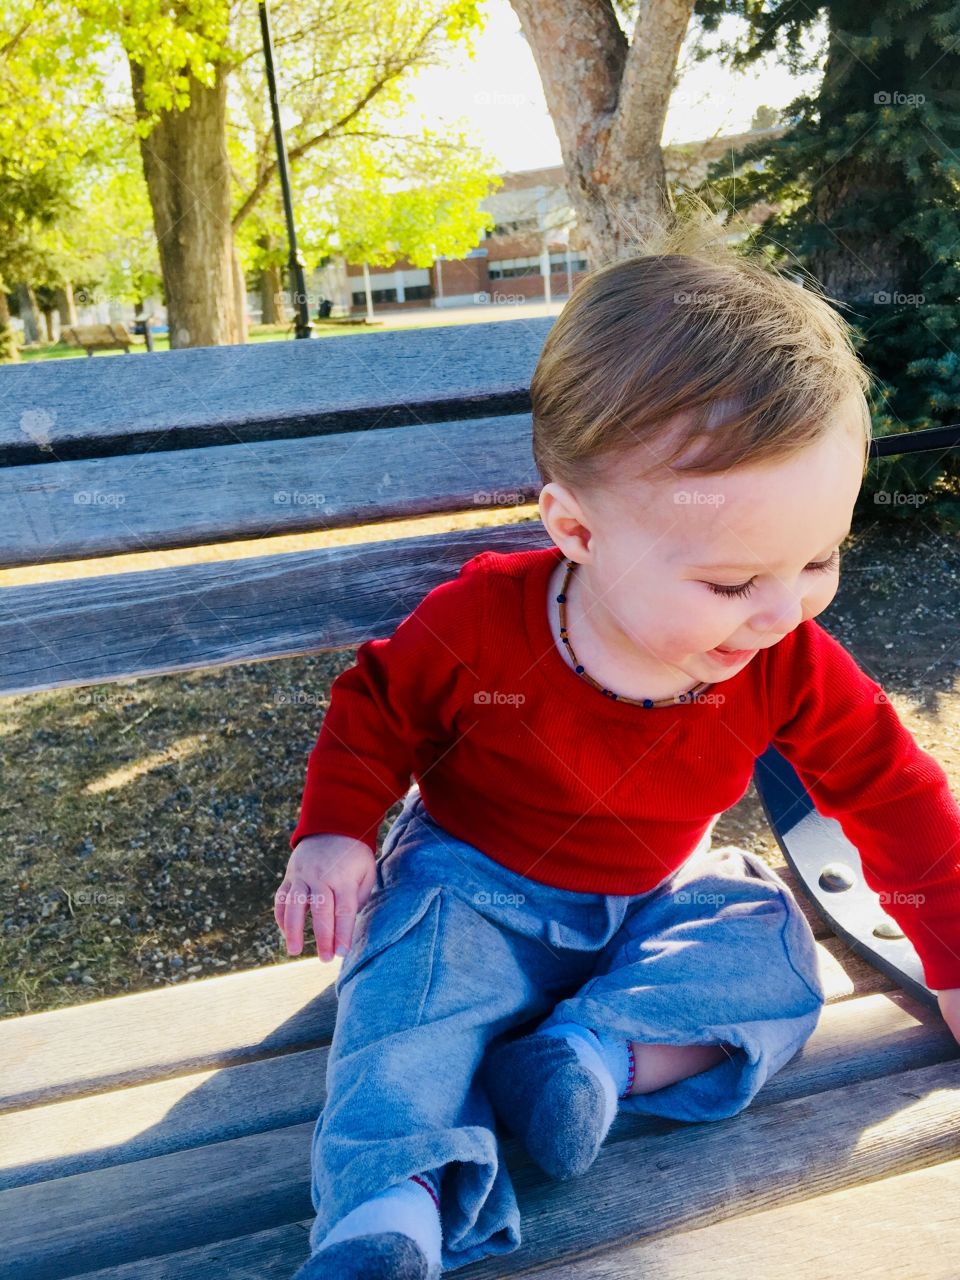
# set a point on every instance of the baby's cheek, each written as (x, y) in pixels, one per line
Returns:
(675, 643)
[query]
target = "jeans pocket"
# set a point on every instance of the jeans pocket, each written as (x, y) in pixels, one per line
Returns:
(387, 915)
(798, 938)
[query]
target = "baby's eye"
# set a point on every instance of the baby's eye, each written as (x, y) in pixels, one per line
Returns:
(744, 588)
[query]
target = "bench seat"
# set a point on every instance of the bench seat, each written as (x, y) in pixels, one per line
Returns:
(167, 1134)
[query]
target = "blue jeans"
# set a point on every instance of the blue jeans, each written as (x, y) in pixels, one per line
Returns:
(452, 950)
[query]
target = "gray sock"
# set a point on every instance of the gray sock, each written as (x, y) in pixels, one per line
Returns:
(556, 1094)
(395, 1234)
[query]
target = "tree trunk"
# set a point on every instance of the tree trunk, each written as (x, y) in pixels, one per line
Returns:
(188, 178)
(9, 350)
(857, 262)
(608, 100)
(271, 297)
(29, 313)
(240, 297)
(271, 291)
(66, 306)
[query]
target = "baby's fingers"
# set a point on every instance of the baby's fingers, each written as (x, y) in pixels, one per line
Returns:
(345, 913)
(279, 904)
(295, 907)
(321, 910)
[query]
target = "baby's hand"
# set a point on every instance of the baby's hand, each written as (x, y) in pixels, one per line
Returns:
(949, 1001)
(332, 875)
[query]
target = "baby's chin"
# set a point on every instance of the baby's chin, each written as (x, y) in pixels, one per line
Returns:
(717, 665)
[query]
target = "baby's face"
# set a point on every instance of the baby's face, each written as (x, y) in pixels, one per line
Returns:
(735, 561)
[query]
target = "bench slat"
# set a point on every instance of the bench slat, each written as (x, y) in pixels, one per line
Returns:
(148, 1120)
(191, 497)
(905, 1225)
(82, 631)
(855, 1040)
(156, 1034)
(691, 1176)
(274, 1254)
(215, 1022)
(66, 409)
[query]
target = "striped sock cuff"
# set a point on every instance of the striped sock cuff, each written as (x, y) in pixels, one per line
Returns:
(430, 1181)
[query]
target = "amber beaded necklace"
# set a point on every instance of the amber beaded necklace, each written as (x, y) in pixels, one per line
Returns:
(689, 696)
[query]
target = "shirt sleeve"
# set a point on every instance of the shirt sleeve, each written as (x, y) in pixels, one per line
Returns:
(393, 711)
(862, 766)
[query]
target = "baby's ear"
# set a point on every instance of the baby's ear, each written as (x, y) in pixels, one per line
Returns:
(564, 519)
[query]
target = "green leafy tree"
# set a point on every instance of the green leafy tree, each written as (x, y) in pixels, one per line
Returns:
(344, 70)
(198, 115)
(45, 141)
(376, 220)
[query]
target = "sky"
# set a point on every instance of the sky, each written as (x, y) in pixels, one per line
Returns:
(499, 97)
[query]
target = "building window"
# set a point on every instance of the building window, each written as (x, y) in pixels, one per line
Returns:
(508, 268)
(511, 267)
(417, 291)
(558, 261)
(377, 295)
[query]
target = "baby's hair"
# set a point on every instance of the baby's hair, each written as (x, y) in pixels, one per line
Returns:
(755, 363)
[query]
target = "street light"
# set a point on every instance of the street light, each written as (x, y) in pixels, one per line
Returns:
(297, 281)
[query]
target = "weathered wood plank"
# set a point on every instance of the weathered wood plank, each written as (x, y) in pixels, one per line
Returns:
(70, 1225)
(906, 1226)
(274, 1254)
(698, 1174)
(154, 1035)
(855, 1040)
(66, 409)
(142, 1121)
(87, 630)
(190, 497)
(691, 1176)
(845, 974)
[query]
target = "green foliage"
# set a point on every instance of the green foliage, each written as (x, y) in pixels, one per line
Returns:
(377, 219)
(8, 344)
(70, 172)
(361, 184)
(866, 179)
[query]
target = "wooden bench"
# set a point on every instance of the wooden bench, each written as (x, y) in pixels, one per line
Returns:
(99, 337)
(166, 1134)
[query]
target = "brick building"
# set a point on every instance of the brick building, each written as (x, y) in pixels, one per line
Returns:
(533, 250)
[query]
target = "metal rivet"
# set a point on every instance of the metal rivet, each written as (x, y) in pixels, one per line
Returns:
(836, 876)
(887, 928)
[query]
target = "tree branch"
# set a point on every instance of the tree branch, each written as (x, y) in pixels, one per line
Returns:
(648, 77)
(302, 148)
(580, 50)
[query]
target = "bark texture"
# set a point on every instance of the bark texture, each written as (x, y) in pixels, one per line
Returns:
(188, 177)
(608, 98)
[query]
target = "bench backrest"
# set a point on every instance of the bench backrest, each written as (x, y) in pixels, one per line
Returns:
(220, 444)
(97, 335)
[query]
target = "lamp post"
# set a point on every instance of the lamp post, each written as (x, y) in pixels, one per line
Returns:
(297, 281)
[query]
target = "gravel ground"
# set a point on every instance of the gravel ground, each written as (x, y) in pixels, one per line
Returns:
(146, 823)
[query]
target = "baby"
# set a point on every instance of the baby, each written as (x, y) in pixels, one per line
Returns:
(549, 936)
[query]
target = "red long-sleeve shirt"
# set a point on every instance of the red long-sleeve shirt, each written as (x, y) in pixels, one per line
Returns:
(516, 754)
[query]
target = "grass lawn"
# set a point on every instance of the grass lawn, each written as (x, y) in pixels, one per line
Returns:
(161, 341)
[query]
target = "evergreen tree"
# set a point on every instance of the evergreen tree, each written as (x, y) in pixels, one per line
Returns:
(865, 178)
